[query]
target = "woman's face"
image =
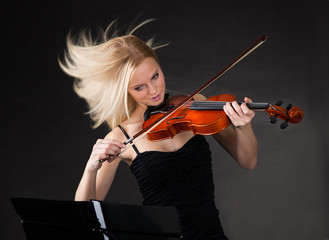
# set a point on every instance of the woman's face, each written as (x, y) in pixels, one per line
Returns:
(147, 85)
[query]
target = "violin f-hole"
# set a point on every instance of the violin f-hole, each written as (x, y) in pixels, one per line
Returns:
(176, 118)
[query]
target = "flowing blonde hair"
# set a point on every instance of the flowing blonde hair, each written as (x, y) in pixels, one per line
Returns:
(103, 69)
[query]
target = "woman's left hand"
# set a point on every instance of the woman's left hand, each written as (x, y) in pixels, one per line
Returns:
(240, 115)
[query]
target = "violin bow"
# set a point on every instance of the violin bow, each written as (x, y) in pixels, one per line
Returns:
(151, 126)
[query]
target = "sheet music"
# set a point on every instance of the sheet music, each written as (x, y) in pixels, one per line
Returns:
(99, 214)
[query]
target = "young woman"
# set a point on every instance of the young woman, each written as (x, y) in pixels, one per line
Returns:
(119, 78)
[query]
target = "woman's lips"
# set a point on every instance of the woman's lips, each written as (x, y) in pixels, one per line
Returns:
(157, 97)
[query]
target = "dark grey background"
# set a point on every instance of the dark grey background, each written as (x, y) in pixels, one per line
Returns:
(46, 139)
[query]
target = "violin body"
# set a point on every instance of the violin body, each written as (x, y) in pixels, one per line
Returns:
(206, 117)
(185, 119)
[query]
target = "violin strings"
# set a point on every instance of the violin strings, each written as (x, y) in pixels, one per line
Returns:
(218, 105)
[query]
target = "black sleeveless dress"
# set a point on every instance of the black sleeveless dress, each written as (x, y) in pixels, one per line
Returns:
(182, 179)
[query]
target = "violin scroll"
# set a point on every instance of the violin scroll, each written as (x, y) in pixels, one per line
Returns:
(291, 114)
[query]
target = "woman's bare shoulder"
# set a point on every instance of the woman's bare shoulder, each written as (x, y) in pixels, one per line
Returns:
(199, 97)
(116, 134)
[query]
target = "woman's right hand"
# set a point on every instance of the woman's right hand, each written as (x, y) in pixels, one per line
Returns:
(104, 149)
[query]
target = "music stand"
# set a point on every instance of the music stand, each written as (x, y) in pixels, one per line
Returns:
(95, 220)
(126, 222)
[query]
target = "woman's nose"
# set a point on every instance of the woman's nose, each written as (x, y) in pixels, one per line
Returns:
(152, 89)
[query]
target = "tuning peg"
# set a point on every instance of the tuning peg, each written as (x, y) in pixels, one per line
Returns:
(284, 124)
(289, 107)
(273, 119)
(278, 103)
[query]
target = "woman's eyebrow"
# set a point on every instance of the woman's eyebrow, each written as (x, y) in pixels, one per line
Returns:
(155, 72)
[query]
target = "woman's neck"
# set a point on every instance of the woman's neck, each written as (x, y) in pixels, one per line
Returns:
(138, 114)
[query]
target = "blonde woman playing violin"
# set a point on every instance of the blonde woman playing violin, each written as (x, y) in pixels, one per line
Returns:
(120, 77)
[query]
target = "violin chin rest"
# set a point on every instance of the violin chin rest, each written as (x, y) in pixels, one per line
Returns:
(151, 109)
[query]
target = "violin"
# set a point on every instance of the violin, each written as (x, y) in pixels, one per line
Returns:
(175, 115)
(208, 117)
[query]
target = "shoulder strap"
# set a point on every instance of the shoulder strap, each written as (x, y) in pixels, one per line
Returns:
(127, 136)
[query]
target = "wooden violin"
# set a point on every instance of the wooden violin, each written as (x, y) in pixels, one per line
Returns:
(172, 120)
(208, 117)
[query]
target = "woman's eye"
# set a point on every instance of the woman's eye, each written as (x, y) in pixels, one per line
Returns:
(155, 76)
(138, 88)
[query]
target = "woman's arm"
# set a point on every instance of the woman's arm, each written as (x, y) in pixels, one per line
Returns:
(240, 141)
(98, 177)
